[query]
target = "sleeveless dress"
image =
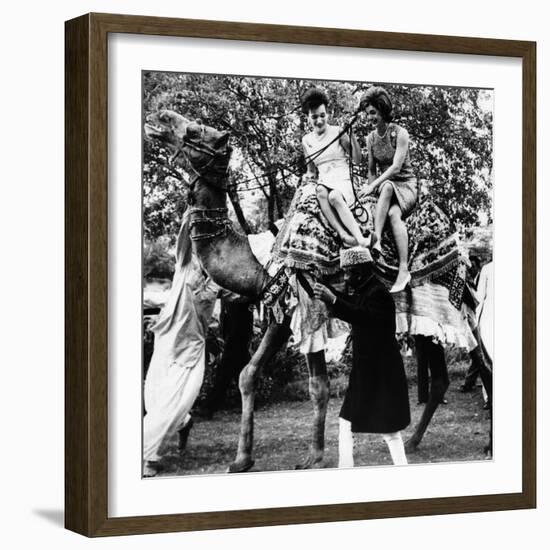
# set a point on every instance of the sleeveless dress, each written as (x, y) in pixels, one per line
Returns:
(332, 163)
(404, 182)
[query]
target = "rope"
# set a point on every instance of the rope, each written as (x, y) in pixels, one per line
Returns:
(360, 213)
(347, 127)
(203, 148)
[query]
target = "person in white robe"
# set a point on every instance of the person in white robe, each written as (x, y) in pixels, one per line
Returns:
(485, 317)
(177, 366)
(485, 309)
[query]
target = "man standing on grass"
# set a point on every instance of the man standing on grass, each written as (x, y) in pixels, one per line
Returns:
(377, 398)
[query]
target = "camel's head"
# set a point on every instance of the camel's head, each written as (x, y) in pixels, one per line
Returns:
(198, 143)
(166, 126)
(207, 151)
(201, 150)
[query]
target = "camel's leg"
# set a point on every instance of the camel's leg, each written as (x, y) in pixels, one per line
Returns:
(318, 391)
(275, 336)
(438, 387)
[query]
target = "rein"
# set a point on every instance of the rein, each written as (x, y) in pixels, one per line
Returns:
(202, 172)
(288, 167)
(209, 172)
(360, 213)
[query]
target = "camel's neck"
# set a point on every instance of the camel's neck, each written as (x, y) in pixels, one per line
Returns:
(225, 254)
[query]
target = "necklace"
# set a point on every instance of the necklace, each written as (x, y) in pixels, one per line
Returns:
(384, 134)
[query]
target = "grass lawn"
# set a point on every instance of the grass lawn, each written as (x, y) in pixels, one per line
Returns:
(458, 432)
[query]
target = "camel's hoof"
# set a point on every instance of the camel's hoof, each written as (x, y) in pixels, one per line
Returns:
(411, 446)
(310, 463)
(238, 467)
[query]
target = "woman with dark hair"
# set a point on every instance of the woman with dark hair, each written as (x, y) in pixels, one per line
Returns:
(391, 176)
(327, 154)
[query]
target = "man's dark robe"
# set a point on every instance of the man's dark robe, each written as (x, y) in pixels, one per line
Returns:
(377, 399)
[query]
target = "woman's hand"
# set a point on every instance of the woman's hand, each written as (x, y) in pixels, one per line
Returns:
(321, 292)
(367, 190)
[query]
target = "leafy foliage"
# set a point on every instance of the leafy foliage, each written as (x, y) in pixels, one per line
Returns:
(158, 261)
(450, 129)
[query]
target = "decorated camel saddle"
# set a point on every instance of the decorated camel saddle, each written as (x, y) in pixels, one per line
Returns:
(431, 306)
(307, 248)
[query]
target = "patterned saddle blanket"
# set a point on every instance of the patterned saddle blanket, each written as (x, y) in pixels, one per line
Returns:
(308, 243)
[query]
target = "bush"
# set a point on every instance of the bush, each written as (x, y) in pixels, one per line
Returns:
(158, 261)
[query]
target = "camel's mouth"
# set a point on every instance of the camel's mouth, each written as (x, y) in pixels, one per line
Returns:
(154, 130)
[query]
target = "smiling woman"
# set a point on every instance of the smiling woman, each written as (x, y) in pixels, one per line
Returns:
(327, 150)
(395, 183)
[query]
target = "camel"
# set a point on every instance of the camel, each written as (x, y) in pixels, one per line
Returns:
(204, 153)
(227, 258)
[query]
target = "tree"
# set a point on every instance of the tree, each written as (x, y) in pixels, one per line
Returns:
(450, 129)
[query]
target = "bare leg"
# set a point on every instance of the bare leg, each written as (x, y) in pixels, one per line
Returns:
(275, 336)
(439, 385)
(382, 207)
(318, 391)
(337, 201)
(333, 220)
(401, 238)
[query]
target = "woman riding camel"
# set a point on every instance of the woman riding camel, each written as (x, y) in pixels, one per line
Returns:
(395, 184)
(327, 150)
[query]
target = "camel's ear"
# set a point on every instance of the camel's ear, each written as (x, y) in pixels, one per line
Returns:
(222, 140)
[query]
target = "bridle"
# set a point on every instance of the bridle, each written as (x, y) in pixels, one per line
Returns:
(207, 223)
(214, 172)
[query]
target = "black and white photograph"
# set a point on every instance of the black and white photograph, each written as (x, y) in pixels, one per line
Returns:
(264, 257)
(317, 274)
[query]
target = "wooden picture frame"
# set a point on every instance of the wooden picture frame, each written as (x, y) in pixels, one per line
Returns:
(86, 282)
